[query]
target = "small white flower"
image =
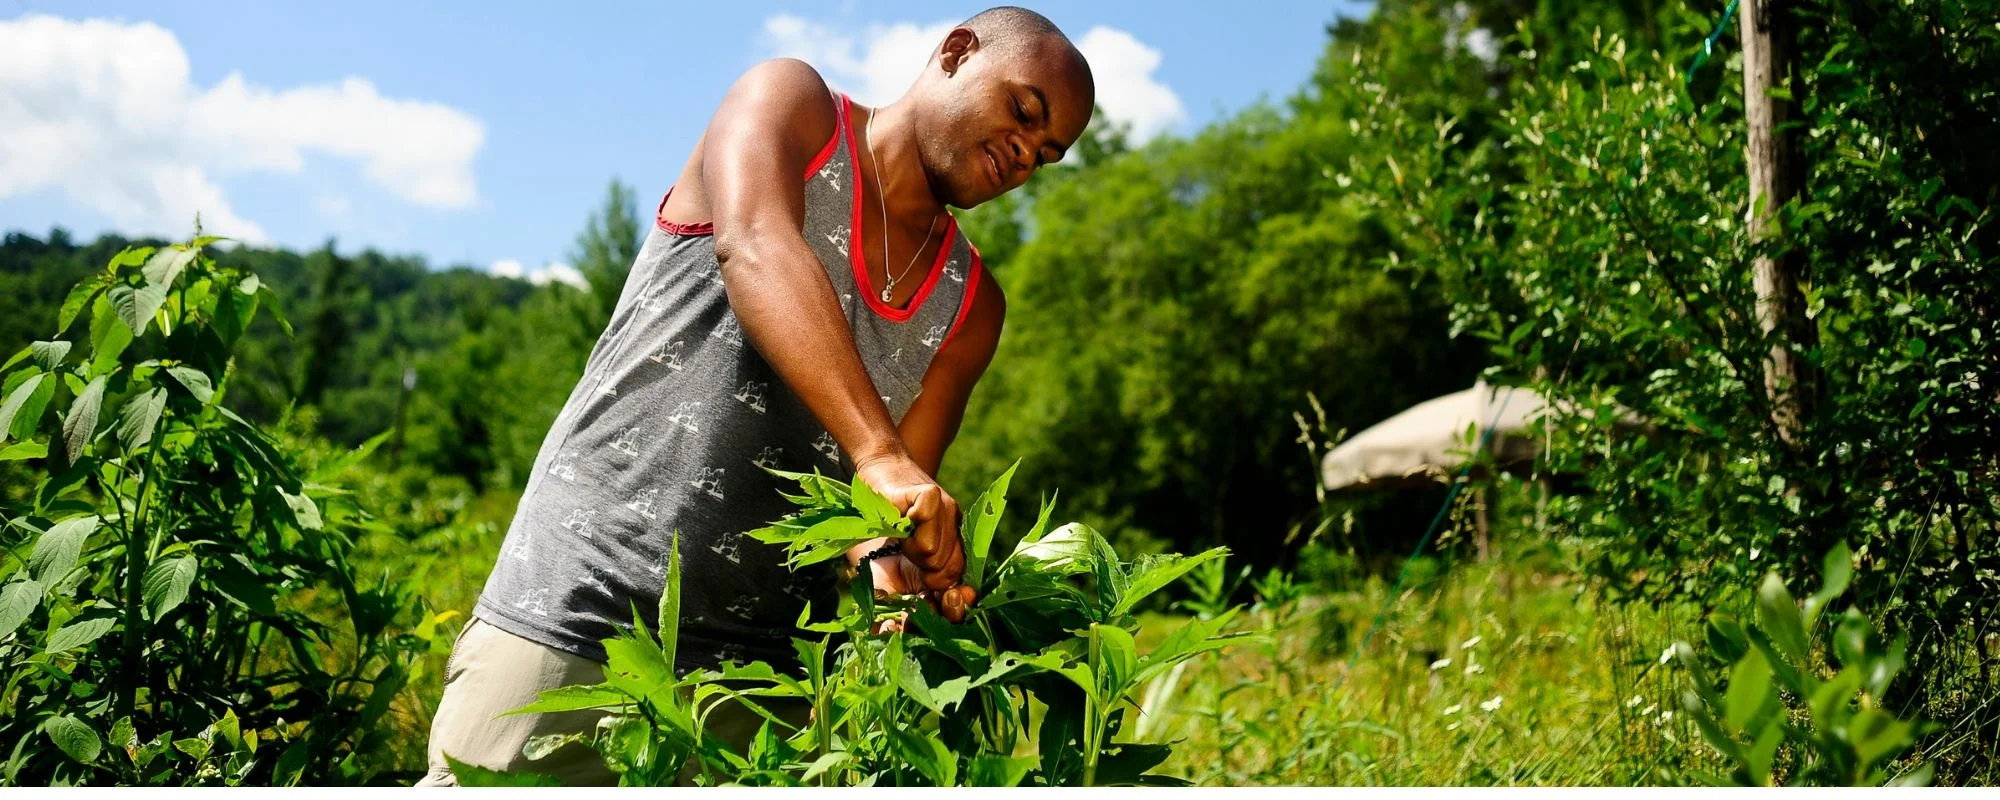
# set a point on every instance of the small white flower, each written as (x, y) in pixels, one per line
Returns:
(1471, 643)
(1649, 709)
(1451, 727)
(1635, 700)
(1491, 705)
(1667, 655)
(1666, 717)
(1453, 709)
(1440, 664)
(1754, 553)
(1474, 669)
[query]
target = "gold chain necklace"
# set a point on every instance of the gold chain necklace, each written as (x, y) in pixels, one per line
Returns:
(889, 290)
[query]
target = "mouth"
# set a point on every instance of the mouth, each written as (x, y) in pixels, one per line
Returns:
(993, 168)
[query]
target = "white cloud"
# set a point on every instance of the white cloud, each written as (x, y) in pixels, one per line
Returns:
(877, 63)
(553, 272)
(106, 111)
(1126, 88)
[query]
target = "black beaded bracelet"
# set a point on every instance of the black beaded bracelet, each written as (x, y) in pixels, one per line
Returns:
(884, 551)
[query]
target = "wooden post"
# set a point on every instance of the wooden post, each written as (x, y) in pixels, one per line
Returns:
(1776, 173)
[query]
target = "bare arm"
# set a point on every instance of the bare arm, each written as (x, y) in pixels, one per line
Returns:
(754, 151)
(932, 421)
(753, 156)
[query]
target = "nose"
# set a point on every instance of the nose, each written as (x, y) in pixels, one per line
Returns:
(1022, 151)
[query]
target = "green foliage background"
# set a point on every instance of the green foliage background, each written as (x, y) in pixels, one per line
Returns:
(1538, 192)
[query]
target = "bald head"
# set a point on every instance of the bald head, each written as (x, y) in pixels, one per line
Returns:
(1019, 32)
(1005, 93)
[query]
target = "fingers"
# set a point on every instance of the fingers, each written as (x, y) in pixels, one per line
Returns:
(956, 601)
(935, 544)
(894, 624)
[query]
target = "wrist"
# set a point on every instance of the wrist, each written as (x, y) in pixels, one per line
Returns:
(887, 451)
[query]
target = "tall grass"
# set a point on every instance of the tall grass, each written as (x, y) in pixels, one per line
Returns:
(1503, 673)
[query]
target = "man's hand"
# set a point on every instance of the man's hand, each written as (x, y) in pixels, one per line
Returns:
(932, 561)
(896, 575)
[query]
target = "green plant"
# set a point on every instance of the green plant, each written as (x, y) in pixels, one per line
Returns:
(152, 623)
(1033, 688)
(1777, 715)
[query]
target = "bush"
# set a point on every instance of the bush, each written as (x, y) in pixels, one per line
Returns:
(935, 705)
(153, 624)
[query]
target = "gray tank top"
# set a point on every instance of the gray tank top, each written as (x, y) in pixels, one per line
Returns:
(669, 425)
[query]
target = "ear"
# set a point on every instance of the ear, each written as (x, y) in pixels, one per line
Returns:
(958, 45)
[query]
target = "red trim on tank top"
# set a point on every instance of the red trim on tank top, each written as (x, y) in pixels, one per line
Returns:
(971, 290)
(708, 228)
(857, 253)
(680, 228)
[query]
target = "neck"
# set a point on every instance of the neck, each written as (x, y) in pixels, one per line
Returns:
(906, 190)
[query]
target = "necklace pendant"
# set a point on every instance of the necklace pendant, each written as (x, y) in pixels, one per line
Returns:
(885, 294)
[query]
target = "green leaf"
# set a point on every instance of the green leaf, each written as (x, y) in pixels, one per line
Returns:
(826, 762)
(540, 747)
(1749, 691)
(1832, 697)
(74, 737)
(988, 769)
(128, 257)
(862, 588)
(79, 297)
(639, 660)
(874, 507)
(195, 748)
(1154, 572)
(270, 298)
(928, 755)
(130, 306)
(81, 423)
(1780, 616)
(1837, 569)
(1726, 638)
(78, 634)
(166, 584)
(57, 549)
(108, 336)
(1763, 748)
(1187, 641)
(138, 306)
(304, 511)
(20, 412)
(1877, 735)
(138, 417)
(1115, 656)
(980, 524)
(165, 267)
(573, 698)
(17, 601)
(196, 382)
(20, 451)
(49, 354)
(1850, 638)
(1128, 765)
(670, 602)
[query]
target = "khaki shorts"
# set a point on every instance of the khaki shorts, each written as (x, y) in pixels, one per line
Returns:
(491, 672)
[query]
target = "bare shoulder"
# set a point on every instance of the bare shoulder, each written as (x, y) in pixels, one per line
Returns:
(786, 97)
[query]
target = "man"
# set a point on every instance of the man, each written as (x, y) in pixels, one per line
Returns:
(805, 301)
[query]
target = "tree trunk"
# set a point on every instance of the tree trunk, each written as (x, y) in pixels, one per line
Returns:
(1776, 174)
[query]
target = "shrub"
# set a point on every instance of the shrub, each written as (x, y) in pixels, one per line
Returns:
(152, 622)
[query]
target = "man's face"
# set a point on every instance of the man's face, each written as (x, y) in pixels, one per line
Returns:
(997, 114)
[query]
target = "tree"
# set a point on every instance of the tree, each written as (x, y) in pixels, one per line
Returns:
(606, 249)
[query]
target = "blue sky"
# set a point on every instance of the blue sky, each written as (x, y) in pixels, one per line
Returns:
(485, 133)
